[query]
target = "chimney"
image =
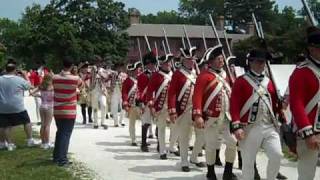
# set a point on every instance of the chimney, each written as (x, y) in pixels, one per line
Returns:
(220, 23)
(251, 28)
(134, 16)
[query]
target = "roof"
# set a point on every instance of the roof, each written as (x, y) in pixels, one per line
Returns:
(176, 31)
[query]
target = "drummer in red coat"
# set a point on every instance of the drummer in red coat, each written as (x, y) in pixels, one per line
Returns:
(211, 111)
(253, 109)
(129, 92)
(149, 64)
(180, 107)
(304, 87)
(156, 97)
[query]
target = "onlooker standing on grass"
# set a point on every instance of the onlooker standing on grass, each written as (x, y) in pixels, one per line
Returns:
(12, 110)
(46, 109)
(65, 107)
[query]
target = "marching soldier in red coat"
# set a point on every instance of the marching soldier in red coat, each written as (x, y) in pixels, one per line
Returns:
(156, 98)
(149, 63)
(129, 92)
(211, 111)
(304, 87)
(253, 109)
(180, 108)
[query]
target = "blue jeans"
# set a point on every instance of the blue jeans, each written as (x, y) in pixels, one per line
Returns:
(63, 134)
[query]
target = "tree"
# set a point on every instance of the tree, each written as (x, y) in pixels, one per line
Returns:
(197, 11)
(164, 17)
(314, 7)
(80, 29)
(239, 12)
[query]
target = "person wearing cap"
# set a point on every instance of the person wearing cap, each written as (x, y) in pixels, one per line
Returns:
(211, 111)
(253, 109)
(304, 92)
(84, 98)
(155, 97)
(128, 92)
(149, 64)
(180, 105)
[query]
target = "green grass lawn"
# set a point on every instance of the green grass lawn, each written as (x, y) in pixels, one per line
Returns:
(35, 163)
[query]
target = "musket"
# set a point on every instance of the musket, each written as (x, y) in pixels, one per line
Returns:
(310, 14)
(140, 53)
(204, 41)
(147, 41)
(168, 46)
(157, 54)
(224, 55)
(190, 46)
(166, 39)
(187, 36)
(261, 36)
(227, 42)
(164, 47)
(183, 43)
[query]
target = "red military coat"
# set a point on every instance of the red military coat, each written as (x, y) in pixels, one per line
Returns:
(179, 92)
(208, 84)
(304, 87)
(241, 102)
(143, 80)
(128, 91)
(157, 90)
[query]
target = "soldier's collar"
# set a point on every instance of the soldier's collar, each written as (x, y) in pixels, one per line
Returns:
(314, 61)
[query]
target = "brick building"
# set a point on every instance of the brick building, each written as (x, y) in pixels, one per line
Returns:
(175, 35)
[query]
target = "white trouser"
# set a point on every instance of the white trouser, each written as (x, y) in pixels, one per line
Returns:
(99, 102)
(198, 144)
(174, 135)
(212, 132)
(115, 104)
(146, 117)
(161, 122)
(150, 130)
(307, 160)
(133, 115)
(261, 135)
(37, 101)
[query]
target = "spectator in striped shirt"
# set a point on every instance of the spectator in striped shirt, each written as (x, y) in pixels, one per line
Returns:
(65, 106)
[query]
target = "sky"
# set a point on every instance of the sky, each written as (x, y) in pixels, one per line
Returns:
(13, 9)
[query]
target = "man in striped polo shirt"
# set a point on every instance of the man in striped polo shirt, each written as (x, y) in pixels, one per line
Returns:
(65, 107)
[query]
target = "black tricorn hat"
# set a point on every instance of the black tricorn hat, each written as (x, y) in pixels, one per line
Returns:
(188, 53)
(149, 58)
(259, 55)
(134, 66)
(166, 58)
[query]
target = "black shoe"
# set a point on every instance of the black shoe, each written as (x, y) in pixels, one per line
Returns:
(144, 148)
(185, 169)
(229, 177)
(190, 148)
(95, 127)
(281, 176)
(150, 136)
(211, 174)
(116, 125)
(163, 156)
(90, 121)
(134, 144)
(123, 125)
(176, 153)
(64, 164)
(200, 154)
(218, 162)
(105, 126)
(84, 123)
(199, 164)
(148, 144)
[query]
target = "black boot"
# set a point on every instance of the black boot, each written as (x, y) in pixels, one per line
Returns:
(144, 145)
(218, 161)
(211, 175)
(90, 114)
(256, 172)
(281, 176)
(228, 174)
(239, 160)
